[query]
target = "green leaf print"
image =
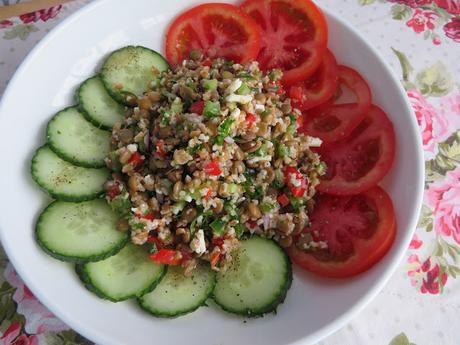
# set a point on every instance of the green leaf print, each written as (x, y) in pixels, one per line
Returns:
(434, 81)
(366, 2)
(22, 31)
(405, 64)
(400, 339)
(426, 219)
(401, 12)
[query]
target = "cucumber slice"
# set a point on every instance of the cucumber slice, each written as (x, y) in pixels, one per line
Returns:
(256, 280)
(65, 181)
(97, 105)
(128, 71)
(129, 273)
(177, 294)
(76, 140)
(79, 232)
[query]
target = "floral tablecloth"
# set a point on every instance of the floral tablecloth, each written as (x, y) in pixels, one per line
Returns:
(420, 39)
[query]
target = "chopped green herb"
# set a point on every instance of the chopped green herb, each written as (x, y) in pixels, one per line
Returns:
(293, 125)
(282, 151)
(296, 203)
(218, 227)
(211, 109)
(210, 84)
(165, 118)
(278, 182)
(193, 150)
(177, 107)
(239, 230)
(138, 226)
(223, 130)
(121, 205)
(243, 90)
(267, 207)
(245, 75)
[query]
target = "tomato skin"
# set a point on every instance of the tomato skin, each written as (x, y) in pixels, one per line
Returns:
(361, 160)
(298, 48)
(167, 257)
(319, 87)
(332, 122)
(217, 29)
(367, 251)
(160, 149)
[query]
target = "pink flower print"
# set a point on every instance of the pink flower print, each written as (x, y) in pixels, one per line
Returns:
(434, 128)
(420, 19)
(451, 6)
(11, 333)
(431, 282)
(5, 23)
(414, 270)
(413, 3)
(50, 12)
(43, 15)
(23, 339)
(38, 318)
(416, 243)
(450, 110)
(424, 276)
(444, 198)
(452, 29)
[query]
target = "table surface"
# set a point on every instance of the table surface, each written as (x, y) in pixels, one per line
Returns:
(420, 39)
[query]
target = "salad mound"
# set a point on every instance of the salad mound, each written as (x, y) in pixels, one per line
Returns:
(209, 154)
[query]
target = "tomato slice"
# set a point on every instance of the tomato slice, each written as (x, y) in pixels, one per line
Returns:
(218, 30)
(356, 231)
(333, 122)
(294, 36)
(361, 160)
(318, 88)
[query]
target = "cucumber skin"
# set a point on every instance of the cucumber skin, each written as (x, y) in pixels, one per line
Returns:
(75, 259)
(59, 196)
(116, 95)
(61, 154)
(259, 312)
(184, 312)
(84, 112)
(84, 277)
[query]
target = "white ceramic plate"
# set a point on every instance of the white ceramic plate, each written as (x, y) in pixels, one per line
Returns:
(46, 82)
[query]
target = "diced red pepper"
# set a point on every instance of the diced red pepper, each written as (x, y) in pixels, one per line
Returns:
(298, 189)
(207, 62)
(213, 168)
(197, 107)
(160, 149)
(136, 159)
(218, 241)
(252, 224)
(167, 257)
(155, 240)
(250, 119)
(208, 193)
(283, 200)
(215, 256)
(113, 191)
(149, 216)
(280, 89)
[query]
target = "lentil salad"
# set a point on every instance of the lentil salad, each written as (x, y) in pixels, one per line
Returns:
(226, 161)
